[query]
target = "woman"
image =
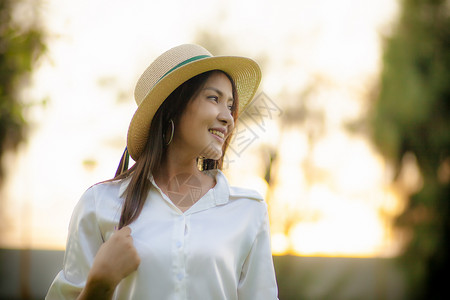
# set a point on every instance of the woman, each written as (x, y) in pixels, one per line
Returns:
(171, 227)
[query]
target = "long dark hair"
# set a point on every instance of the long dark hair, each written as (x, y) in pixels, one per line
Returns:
(149, 162)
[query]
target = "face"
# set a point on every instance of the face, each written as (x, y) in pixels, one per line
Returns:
(207, 121)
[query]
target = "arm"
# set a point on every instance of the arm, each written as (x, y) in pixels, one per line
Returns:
(87, 255)
(257, 279)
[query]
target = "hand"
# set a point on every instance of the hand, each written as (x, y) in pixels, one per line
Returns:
(116, 259)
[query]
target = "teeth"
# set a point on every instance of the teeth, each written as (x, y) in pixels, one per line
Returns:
(218, 133)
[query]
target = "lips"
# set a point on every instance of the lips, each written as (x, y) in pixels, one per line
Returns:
(218, 133)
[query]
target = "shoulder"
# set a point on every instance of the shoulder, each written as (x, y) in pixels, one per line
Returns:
(96, 195)
(231, 193)
(98, 208)
(112, 188)
(245, 193)
(251, 204)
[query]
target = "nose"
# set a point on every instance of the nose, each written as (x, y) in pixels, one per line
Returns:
(226, 118)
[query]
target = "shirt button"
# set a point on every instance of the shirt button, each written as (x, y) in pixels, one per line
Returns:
(180, 276)
(178, 244)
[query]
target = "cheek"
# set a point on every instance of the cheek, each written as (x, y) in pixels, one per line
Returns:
(191, 126)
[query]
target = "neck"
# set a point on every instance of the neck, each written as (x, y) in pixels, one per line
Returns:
(177, 162)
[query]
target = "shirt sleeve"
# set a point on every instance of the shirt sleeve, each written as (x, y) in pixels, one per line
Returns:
(84, 240)
(258, 279)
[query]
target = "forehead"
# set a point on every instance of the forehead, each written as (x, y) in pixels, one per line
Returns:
(220, 81)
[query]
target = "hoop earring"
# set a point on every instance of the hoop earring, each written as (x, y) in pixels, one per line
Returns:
(171, 132)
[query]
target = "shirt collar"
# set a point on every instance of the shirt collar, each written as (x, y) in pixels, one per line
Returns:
(221, 191)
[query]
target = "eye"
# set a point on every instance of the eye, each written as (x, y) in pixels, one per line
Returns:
(231, 105)
(214, 98)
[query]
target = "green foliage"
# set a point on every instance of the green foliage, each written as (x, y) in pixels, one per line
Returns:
(411, 114)
(20, 48)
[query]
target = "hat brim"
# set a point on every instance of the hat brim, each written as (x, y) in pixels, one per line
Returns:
(244, 71)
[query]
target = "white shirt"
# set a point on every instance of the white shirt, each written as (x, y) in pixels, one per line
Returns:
(218, 249)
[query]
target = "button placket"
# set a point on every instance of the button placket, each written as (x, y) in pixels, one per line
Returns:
(186, 226)
(178, 251)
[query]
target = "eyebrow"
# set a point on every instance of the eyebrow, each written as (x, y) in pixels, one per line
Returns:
(217, 91)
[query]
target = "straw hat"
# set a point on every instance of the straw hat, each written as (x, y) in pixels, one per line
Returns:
(170, 70)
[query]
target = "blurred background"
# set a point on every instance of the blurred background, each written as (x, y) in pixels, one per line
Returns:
(348, 137)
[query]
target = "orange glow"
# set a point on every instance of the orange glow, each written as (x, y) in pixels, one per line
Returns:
(345, 209)
(330, 192)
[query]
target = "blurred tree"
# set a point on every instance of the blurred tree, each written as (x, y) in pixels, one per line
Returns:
(21, 44)
(411, 116)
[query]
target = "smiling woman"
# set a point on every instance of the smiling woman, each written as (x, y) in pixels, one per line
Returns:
(208, 119)
(182, 231)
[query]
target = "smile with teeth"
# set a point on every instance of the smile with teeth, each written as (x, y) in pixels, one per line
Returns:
(218, 133)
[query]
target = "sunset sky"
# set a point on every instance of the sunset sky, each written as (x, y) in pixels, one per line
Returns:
(330, 194)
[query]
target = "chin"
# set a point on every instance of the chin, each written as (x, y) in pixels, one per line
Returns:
(212, 152)
(215, 156)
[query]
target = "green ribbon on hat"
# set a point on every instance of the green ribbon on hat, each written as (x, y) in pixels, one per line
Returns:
(183, 63)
